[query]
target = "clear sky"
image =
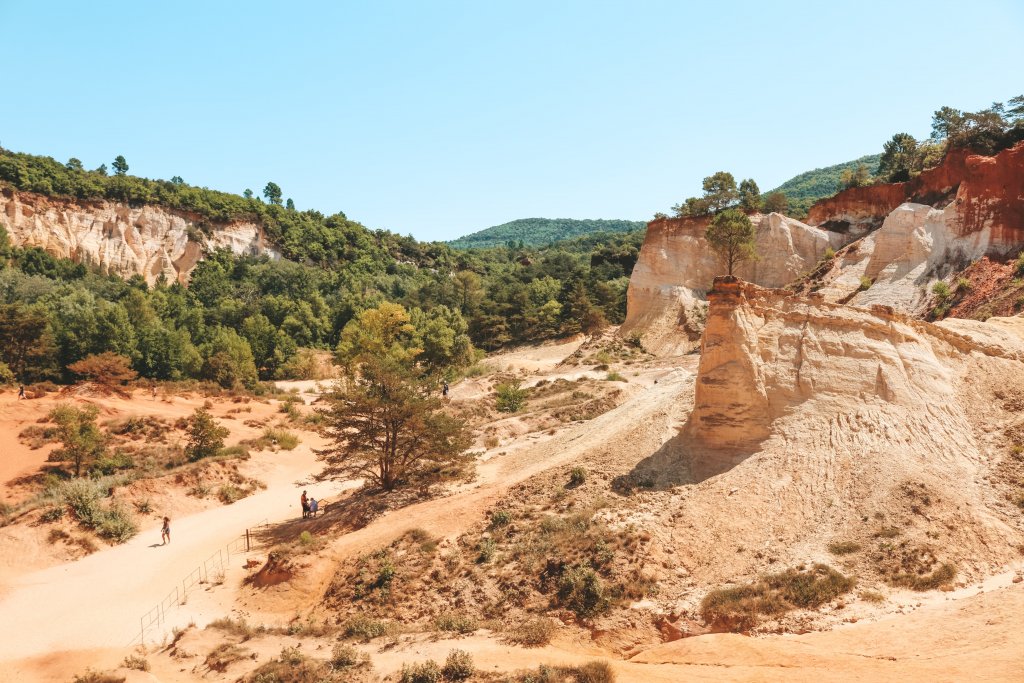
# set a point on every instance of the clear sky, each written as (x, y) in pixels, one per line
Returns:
(440, 118)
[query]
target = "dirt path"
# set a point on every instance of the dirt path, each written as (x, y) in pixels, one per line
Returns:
(97, 601)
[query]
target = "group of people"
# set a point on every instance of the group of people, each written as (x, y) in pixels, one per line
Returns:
(310, 505)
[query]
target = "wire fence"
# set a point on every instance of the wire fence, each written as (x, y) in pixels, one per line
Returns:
(212, 570)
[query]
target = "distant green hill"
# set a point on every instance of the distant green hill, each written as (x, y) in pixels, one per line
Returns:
(805, 189)
(541, 231)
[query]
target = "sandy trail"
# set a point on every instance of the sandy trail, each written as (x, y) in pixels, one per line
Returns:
(97, 601)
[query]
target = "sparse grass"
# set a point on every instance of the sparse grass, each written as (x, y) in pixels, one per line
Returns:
(843, 547)
(229, 493)
(306, 538)
(939, 577)
(591, 672)
(366, 629)
(577, 476)
(534, 632)
(57, 535)
(456, 622)
(739, 608)
(874, 597)
(491, 442)
(345, 656)
(281, 439)
(237, 627)
(458, 666)
(91, 676)
(223, 656)
(422, 672)
(615, 377)
(486, 549)
(887, 532)
(52, 514)
(499, 518)
(136, 662)
(291, 666)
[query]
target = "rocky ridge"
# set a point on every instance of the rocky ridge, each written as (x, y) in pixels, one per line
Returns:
(124, 240)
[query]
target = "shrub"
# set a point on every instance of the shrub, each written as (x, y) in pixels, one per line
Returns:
(116, 524)
(865, 283)
(594, 672)
(843, 547)
(205, 436)
(366, 629)
(487, 547)
(937, 578)
(345, 656)
(456, 622)
(458, 666)
(829, 254)
(306, 538)
(108, 371)
(533, 632)
(91, 676)
(499, 518)
(52, 514)
(1018, 265)
(738, 608)
(510, 397)
(941, 290)
(577, 476)
(281, 438)
(872, 597)
(229, 493)
(424, 672)
(615, 377)
(963, 284)
(581, 590)
(223, 656)
(136, 662)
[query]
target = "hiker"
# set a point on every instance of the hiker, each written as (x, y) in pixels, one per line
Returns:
(21, 391)
(165, 532)
(305, 505)
(313, 504)
(444, 390)
(154, 392)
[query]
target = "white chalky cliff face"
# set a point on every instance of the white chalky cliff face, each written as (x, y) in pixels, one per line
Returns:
(120, 239)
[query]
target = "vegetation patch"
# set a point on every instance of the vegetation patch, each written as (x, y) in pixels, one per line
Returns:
(740, 608)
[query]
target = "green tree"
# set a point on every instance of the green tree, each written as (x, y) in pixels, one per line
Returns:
(720, 191)
(26, 345)
(731, 236)
(776, 202)
(82, 442)
(858, 177)
(750, 196)
(120, 165)
(382, 332)
(898, 155)
(272, 192)
(385, 424)
(205, 436)
(247, 194)
(74, 165)
(228, 360)
(290, 205)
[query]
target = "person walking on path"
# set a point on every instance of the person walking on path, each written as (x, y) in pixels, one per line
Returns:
(165, 532)
(444, 390)
(305, 505)
(21, 391)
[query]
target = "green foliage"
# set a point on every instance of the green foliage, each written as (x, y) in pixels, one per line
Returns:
(775, 202)
(458, 666)
(803, 190)
(865, 283)
(422, 672)
(898, 156)
(527, 232)
(987, 131)
(205, 436)
(857, 177)
(510, 397)
(385, 422)
(750, 196)
(739, 608)
(82, 442)
(578, 476)
(720, 192)
(731, 236)
(581, 590)
(941, 290)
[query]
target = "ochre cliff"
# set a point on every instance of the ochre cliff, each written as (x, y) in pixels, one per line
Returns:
(676, 267)
(988, 192)
(124, 240)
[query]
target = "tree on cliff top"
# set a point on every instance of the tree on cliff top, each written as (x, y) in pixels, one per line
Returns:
(731, 236)
(120, 165)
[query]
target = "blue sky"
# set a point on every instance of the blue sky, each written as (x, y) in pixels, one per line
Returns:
(441, 118)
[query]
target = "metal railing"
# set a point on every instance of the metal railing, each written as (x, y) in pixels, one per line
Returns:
(215, 565)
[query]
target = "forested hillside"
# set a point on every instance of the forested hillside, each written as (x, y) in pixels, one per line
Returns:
(245, 319)
(542, 231)
(803, 190)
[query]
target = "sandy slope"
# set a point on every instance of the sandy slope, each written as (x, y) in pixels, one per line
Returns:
(111, 589)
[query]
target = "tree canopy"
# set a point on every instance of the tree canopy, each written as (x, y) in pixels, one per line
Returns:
(731, 236)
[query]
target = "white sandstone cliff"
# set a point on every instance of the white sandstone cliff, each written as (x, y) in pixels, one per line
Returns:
(117, 238)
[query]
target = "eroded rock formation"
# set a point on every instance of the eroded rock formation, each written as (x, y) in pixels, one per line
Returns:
(676, 267)
(149, 241)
